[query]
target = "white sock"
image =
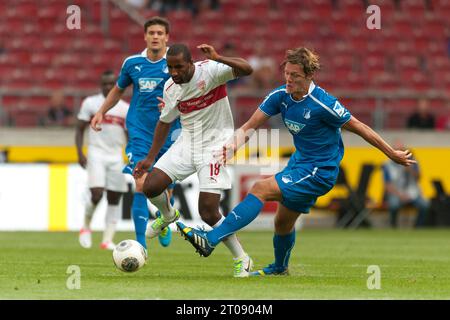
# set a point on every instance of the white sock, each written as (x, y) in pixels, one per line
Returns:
(232, 243)
(88, 213)
(111, 220)
(152, 209)
(162, 202)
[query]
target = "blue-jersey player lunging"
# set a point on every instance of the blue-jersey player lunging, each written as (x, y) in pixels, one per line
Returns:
(148, 73)
(314, 118)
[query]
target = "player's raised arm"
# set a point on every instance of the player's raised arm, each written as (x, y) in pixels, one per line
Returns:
(402, 157)
(161, 132)
(111, 100)
(240, 66)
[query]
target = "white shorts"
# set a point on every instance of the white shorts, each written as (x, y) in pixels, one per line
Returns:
(179, 162)
(106, 173)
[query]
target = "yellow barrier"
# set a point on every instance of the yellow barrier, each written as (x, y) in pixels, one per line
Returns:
(57, 197)
(46, 154)
(434, 163)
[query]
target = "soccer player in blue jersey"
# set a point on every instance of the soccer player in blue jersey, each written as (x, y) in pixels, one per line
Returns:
(147, 72)
(314, 118)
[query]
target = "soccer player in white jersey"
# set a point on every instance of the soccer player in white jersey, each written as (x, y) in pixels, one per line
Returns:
(104, 162)
(196, 93)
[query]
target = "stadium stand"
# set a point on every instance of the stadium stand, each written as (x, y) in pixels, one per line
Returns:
(382, 71)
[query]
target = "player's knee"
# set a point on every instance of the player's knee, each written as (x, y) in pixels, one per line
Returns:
(151, 189)
(209, 212)
(283, 225)
(140, 183)
(113, 198)
(259, 190)
(96, 197)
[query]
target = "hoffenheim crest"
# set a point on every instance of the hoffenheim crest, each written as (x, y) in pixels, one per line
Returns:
(306, 113)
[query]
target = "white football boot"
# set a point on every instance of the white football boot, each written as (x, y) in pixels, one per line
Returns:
(85, 238)
(243, 266)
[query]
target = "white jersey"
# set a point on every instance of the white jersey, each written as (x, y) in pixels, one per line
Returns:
(111, 139)
(202, 105)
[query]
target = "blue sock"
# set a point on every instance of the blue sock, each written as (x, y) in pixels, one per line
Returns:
(244, 213)
(172, 200)
(282, 246)
(140, 217)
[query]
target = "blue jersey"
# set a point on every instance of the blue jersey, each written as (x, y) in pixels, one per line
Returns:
(148, 79)
(314, 122)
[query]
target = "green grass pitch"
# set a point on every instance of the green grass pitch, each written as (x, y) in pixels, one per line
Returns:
(325, 264)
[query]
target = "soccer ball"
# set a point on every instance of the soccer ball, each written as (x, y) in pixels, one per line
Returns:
(129, 256)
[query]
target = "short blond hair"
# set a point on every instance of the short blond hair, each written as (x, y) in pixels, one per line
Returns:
(304, 57)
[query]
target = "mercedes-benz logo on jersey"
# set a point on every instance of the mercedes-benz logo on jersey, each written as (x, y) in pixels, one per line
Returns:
(148, 84)
(293, 126)
(306, 113)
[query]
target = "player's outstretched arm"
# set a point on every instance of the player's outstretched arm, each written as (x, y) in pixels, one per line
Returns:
(240, 66)
(111, 100)
(402, 157)
(241, 136)
(159, 139)
(79, 137)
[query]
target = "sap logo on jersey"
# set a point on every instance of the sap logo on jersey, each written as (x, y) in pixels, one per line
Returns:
(148, 84)
(293, 126)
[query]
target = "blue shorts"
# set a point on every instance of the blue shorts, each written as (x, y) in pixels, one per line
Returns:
(135, 155)
(302, 184)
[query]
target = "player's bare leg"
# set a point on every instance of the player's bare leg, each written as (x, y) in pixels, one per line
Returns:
(85, 236)
(154, 186)
(208, 205)
(239, 217)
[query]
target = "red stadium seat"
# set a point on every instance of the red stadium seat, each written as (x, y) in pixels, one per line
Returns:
(25, 118)
(353, 57)
(414, 9)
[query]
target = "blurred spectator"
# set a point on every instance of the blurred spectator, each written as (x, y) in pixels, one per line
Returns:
(402, 189)
(448, 40)
(214, 4)
(422, 118)
(58, 113)
(423, 64)
(194, 6)
(264, 69)
(3, 156)
(138, 4)
(335, 4)
(2, 47)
